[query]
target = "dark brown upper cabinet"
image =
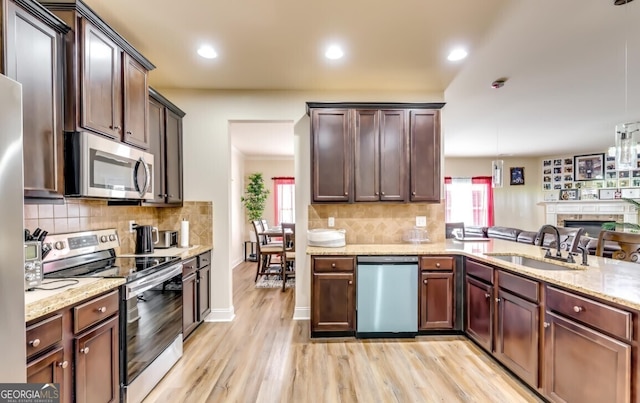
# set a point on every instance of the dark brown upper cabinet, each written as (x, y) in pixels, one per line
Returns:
(165, 143)
(32, 45)
(367, 152)
(106, 78)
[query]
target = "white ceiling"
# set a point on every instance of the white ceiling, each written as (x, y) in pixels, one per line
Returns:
(262, 139)
(565, 59)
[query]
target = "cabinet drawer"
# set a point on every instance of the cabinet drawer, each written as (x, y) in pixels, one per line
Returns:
(329, 264)
(436, 263)
(603, 317)
(204, 259)
(43, 335)
(479, 270)
(94, 311)
(189, 266)
(520, 286)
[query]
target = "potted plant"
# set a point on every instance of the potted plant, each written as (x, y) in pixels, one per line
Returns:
(255, 198)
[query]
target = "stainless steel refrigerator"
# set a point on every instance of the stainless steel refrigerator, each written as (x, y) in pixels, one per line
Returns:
(12, 325)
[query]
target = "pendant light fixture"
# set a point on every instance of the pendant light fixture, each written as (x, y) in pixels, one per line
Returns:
(626, 139)
(497, 165)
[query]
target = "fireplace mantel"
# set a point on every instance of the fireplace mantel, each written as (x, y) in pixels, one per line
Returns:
(588, 208)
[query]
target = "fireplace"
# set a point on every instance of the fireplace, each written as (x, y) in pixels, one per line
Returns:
(591, 228)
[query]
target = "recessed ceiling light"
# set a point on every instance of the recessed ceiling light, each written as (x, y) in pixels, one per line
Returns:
(457, 54)
(334, 52)
(207, 52)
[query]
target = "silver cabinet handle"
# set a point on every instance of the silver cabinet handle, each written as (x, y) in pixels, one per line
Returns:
(84, 350)
(382, 193)
(425, 281)
(547, 324)
(128, 132)
(63, 364)
(437, 264)
(413, 193)
(35, 343)
(498, 299)
(487, 296)
(578, 309)
(350, 282)
(333, 265)
(102, 309)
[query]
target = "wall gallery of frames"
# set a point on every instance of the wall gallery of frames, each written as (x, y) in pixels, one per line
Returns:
(588, 177)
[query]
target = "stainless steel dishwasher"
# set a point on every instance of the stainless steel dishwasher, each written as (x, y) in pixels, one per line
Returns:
(387, 296)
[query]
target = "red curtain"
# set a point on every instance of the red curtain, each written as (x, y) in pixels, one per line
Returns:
(482, 200)
(277, 181)
(486, 181)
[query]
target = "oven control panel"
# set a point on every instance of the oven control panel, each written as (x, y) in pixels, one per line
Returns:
(79, 243)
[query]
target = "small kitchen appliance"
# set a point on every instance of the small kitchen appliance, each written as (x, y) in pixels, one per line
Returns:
(167, 239)
(32, 264)
(144, 239)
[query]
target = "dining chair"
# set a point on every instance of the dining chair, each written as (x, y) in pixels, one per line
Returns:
(288, 253)
(268, 238)
(628, 243)
(264, 252)
(451, 227)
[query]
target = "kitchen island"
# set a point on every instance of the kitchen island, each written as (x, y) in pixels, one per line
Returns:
(570, 332)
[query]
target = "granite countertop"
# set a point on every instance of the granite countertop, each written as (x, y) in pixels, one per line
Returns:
(41, 302)
(608, 279)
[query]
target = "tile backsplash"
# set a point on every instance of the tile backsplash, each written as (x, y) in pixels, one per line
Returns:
(380, 222)
(81, 215)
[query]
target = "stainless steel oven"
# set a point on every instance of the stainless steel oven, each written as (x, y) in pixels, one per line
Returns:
(99, 167)
(152, 330)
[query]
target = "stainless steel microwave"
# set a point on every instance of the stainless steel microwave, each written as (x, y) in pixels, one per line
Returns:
(99, 167)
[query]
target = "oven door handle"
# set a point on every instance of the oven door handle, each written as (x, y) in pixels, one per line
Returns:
(137, 287)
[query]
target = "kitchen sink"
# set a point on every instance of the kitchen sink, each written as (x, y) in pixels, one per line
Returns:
(528, 262)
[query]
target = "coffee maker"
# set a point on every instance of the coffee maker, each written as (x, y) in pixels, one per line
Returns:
(144, 239)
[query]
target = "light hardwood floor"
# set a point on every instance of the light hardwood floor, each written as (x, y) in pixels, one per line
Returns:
(265, 356)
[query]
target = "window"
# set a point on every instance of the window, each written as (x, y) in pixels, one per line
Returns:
(469, 200)
(284, 200)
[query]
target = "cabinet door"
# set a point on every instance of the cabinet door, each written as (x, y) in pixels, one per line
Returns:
(173, 167)
(333, 302)
(367, 156)
(436, 301)
(424, 129)
(518, 335)
(96, 364)
(479, 323)
(136, 102)
(584, 365)
(204, 292)
(330, 155)
(49, 368)
(156, 147)
(189, 304)
(393, 160)
(101, 83)
(34, 60)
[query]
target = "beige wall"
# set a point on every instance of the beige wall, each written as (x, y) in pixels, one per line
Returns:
(207, 164)
(515, 206)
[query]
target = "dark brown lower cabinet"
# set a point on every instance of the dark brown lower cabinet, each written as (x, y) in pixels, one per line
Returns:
(436, 301)
(518, 324)
(479, 323)
(49, 368)
(189, 304)
(204, 292)
(333, 305)
(584, 365)
(96, 364)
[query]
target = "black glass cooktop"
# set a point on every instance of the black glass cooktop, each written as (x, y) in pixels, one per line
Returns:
(130, 268)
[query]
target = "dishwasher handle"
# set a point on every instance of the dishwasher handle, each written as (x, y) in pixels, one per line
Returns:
(387, 259)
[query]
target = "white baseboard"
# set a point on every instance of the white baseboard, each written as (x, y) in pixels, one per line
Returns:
(302, 313)
(236, 262)
(221, 315)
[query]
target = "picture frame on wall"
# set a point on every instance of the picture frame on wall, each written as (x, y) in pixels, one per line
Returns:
(569, 194)
(517, 176)
(589, 194)
(588, 167)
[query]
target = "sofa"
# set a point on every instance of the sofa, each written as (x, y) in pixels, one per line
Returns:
(530, 237)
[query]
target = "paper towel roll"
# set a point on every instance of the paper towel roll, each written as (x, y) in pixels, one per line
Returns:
(184, 234)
